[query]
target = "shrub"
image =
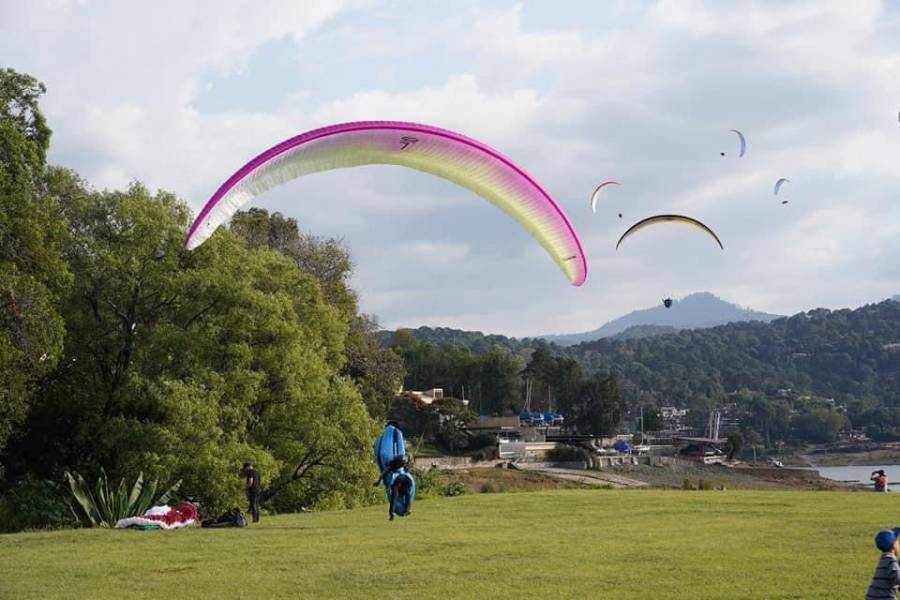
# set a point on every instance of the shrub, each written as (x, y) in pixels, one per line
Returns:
(566, 454)
(106, 505)
(487, 488)
(34, 504)
(686, 484)
(482, 440)
(428, 481)
(454, 488)
(486, 453)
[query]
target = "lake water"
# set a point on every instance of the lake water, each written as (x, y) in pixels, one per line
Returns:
(861, 473)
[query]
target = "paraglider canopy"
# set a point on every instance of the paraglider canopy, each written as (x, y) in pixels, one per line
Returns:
(780, 183)
(742, 140)
(669, 219)
(446, 154)
(596, 195)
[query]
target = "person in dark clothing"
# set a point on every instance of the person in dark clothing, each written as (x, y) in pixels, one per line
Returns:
(252, 487)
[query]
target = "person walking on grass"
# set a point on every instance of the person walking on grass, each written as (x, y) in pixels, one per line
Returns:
(887, 573)
(253, 488)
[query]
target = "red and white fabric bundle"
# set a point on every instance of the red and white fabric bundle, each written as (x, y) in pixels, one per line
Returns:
(166, 517)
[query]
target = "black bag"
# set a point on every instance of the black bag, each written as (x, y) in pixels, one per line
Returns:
(232, 518)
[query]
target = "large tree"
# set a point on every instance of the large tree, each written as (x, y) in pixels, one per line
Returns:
(183, 364)
(601, 407)
(377, 372)
(33, 273)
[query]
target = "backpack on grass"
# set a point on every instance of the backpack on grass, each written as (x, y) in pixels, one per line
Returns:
(232, 518)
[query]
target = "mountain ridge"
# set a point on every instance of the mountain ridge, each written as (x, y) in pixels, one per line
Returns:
(699, 310)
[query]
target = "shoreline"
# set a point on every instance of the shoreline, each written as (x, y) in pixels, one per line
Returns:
(868, 458)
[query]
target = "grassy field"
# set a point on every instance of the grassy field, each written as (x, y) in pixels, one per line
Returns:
(647, 543)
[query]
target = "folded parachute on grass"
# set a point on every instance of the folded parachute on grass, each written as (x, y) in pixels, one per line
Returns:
(452, 156)
(163, 517)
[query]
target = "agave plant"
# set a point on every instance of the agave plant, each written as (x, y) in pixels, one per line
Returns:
(105, 505)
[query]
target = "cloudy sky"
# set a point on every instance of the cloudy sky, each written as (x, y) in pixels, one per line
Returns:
(180, 94)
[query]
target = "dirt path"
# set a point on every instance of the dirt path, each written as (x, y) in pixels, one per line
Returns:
(586, 477)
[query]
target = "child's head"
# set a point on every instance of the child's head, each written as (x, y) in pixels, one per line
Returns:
(888, 540)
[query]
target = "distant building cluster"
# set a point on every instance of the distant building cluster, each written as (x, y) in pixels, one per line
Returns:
(674, 419)
(427, 396)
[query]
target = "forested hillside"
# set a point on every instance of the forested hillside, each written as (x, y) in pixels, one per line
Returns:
(843, 367)
(473, 340)
(845, 354)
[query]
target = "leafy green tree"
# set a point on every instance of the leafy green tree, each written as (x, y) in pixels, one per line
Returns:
(377, 371)
(735, 441)
(184, 364)
(325, 259)
(819, 425)
(556, 379)
(601, 408)
(33, 272)
(499, 388)
(454, 418)
(416, 419)
(653, 420)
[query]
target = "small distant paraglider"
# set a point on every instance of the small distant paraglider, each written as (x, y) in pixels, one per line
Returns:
(596, 195)
(620, 215)
(667, 302)
(742, 140)
(780, 183)
(669, 219)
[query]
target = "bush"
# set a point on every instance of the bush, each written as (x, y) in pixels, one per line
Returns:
(566, 454)
(486, 453)
(429, 481)
(482, 440)
(686, 484)
(487, 488)
(105, 505)
(34, 504)
(454, 488)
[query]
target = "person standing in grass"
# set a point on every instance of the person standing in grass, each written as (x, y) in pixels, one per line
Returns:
(887, 573)
(253, 488)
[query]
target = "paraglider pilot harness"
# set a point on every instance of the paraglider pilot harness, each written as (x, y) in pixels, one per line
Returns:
(395, 464)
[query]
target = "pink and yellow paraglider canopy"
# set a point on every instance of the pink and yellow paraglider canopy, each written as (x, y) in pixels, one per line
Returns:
(462, 160)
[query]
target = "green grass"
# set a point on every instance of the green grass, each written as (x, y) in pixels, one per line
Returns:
(654, 544)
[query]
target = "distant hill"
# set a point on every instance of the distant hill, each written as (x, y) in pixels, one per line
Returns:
(896, 298)
(691, 312)
(849, 355)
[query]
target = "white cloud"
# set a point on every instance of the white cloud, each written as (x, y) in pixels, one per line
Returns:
(641, 93)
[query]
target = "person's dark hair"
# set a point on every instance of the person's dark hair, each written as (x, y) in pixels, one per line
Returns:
(246, 464)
